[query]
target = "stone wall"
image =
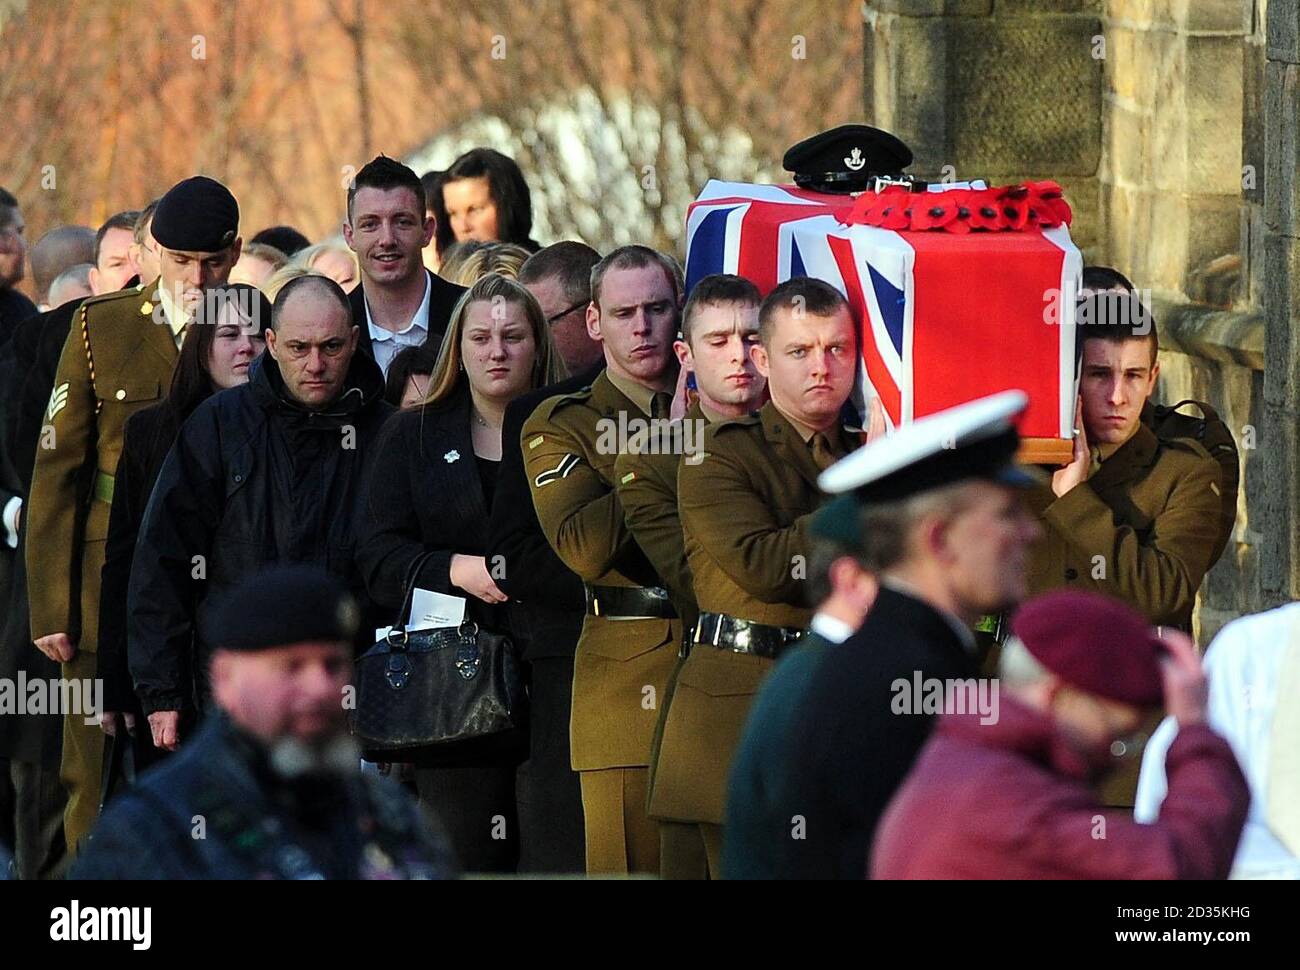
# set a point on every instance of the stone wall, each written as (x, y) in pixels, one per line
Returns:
(1155, 117)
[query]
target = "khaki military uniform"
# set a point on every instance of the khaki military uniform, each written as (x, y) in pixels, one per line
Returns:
(116, 361)
(647, 487)
(622, 666)
(1143, 528)
(745, 510)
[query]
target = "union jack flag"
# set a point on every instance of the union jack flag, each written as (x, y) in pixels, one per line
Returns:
(944, 318)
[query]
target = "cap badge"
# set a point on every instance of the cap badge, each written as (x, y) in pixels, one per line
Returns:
(854, 160)
(451, 456)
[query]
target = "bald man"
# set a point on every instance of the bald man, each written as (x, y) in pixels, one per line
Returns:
(55, 253)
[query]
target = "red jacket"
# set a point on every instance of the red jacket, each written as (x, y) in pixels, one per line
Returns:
(1010, 800)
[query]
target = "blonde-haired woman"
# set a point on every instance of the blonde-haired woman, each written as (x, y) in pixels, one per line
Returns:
(504, 259)
(274, 283)
(436, 468)
(333, 259)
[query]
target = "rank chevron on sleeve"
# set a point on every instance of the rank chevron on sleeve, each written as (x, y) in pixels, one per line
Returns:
(566, 465)
(58, 401)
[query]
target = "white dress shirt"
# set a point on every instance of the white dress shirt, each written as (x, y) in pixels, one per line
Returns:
(1242, 666)
(388, 344)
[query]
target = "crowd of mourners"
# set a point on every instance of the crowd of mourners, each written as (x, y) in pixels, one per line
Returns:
(428, 549)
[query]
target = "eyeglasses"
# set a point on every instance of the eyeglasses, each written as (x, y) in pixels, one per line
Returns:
(554, 318)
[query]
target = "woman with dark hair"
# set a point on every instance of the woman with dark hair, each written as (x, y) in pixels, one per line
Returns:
(426, 508)
(483, 196)
(407, 383)
(220, 344)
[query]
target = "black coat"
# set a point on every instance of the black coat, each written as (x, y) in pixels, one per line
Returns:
(14, 309)
(35, 738)
(37, 345)
(851, 751)
(425, 495)
(547, 601)
(146, 439)
(443, 296)
(258, 825)
(253, 479)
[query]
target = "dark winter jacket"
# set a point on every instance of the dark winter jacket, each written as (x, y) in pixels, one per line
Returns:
(254, 479)
(217, 810)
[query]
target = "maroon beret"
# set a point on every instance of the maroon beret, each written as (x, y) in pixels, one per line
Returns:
(1094, 643)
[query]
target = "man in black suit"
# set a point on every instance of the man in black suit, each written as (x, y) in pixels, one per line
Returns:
(399, 303)
(941, 521)
(548, 615)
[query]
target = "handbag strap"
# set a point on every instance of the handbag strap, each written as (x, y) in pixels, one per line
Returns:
(412, 574)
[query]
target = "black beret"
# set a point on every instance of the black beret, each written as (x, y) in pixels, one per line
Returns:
(846, 159)
(198, 215)
(280, 606)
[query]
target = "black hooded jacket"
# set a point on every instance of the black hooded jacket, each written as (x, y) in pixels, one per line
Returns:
(254, 479)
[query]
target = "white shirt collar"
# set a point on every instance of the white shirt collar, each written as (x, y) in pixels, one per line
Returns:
(175, 316)
(419, 321)
(830, 628)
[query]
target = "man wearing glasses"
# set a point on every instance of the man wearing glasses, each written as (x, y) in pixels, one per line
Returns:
(267, 472)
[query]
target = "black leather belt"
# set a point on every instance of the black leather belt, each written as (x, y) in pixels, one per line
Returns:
(629, 601)
(728, 632)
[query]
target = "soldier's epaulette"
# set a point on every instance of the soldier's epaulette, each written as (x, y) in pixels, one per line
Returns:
(561, 401)
(94, 307)
(1188, 444)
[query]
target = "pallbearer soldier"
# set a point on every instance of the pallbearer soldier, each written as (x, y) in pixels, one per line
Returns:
(719, 328)
(1132, 516)
(118, 358)
(745, 510)
(631, 632)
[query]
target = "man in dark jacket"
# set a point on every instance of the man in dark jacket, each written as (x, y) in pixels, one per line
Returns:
(943, 525)
(269, 789)
(1007, 796)
(266, 472)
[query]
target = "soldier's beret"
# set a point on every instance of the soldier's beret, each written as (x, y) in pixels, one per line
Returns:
(198, 215)
(977, 440)
(281, 606)
(1094, 643)
(846, 159)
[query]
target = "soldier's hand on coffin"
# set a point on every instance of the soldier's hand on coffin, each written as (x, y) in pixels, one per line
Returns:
(165, 726)
(57, 646)
(876, 420)
(681, 395)
(470, 574)
(1070, 475)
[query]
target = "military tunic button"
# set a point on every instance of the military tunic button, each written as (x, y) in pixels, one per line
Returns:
(121, 394)
(1072, 573)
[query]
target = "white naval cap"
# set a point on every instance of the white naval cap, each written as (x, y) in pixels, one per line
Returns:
(973, 440)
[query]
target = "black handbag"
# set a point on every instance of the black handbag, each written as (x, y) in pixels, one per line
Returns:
(424, 694)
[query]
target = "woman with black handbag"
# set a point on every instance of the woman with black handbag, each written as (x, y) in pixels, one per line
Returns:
(427, 501)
